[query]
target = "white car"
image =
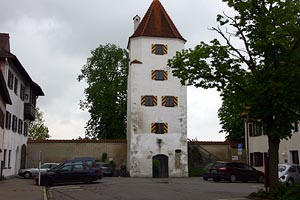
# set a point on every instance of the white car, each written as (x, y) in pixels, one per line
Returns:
(32, 172)
(289, 174)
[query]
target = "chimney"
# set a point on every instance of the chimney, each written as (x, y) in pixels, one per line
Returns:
(4, 42)
(136, 21)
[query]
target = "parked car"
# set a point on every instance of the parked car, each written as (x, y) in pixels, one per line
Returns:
(32, 172)
(71, 172)
(232, 172)
(85, 160)
(289, 174)
(106, 168)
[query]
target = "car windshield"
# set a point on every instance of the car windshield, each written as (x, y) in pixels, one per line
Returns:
(281, 168)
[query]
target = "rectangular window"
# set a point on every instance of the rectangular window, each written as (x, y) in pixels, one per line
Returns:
(4, 159)
(169, 101)
(7, 120)
(254, 129)
(159, 128)
(20, 126)
(159, 49)
(9, 156)
(25, 129)
(258, 159)
(14, 123)
(149, 100)
(16, 86)
(295, 157)
(1, 118)
(10, 81)
(22, 92)
(159, 75)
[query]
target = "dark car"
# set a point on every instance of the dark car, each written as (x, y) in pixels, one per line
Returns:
(106, 168)
(232, 172)
(71, 172)
(84, 160)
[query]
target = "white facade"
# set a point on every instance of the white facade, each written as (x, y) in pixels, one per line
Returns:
(23, 93)
(143, 145)
(257, 148)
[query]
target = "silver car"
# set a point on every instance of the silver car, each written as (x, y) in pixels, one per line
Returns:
(32, 172)
(289, 174)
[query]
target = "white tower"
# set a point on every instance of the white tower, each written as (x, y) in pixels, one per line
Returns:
(156, 110)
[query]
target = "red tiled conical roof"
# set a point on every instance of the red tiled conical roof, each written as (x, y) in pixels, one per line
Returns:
(157, 23)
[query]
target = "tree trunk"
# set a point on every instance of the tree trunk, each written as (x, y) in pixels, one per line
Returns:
(273, 162)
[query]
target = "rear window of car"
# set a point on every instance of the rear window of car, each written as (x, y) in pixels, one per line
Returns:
(218, 165)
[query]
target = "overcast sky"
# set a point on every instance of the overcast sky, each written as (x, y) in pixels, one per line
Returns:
(53, 39)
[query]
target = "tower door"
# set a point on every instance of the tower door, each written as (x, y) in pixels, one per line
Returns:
(160, 167)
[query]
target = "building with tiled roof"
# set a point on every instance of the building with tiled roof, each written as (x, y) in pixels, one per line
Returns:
(20, 93)
(156, 109)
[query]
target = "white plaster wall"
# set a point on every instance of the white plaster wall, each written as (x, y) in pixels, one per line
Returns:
(142, 144)
(260, 144)
(13, 140)
(2, 106)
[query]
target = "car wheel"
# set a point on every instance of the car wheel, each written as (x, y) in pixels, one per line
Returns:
(261, 179)
(216, 180)
(205, 178)
(232, 178)
(290, 182)
(27, 175)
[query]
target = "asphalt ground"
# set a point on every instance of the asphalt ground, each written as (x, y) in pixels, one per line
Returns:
(15, 188)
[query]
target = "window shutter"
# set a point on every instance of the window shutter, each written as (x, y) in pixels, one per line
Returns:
(153, 74)
(165, 49)
(153, 48)
(165, 75)
(154, 100)
(153, 128)
(163, 100)
(165, 127)
(143, 100)
(175, 101)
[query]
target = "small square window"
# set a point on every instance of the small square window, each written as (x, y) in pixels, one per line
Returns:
(169, 101)
(159, 75)
(149, 100)
(159, 49)
(159, 128)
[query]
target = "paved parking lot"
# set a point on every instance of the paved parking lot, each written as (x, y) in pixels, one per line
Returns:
(116, 188)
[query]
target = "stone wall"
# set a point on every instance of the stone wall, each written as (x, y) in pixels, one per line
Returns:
(61, 150)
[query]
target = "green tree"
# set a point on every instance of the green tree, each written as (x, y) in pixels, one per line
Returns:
(106, 74)
(259, 74)
(37, 129)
